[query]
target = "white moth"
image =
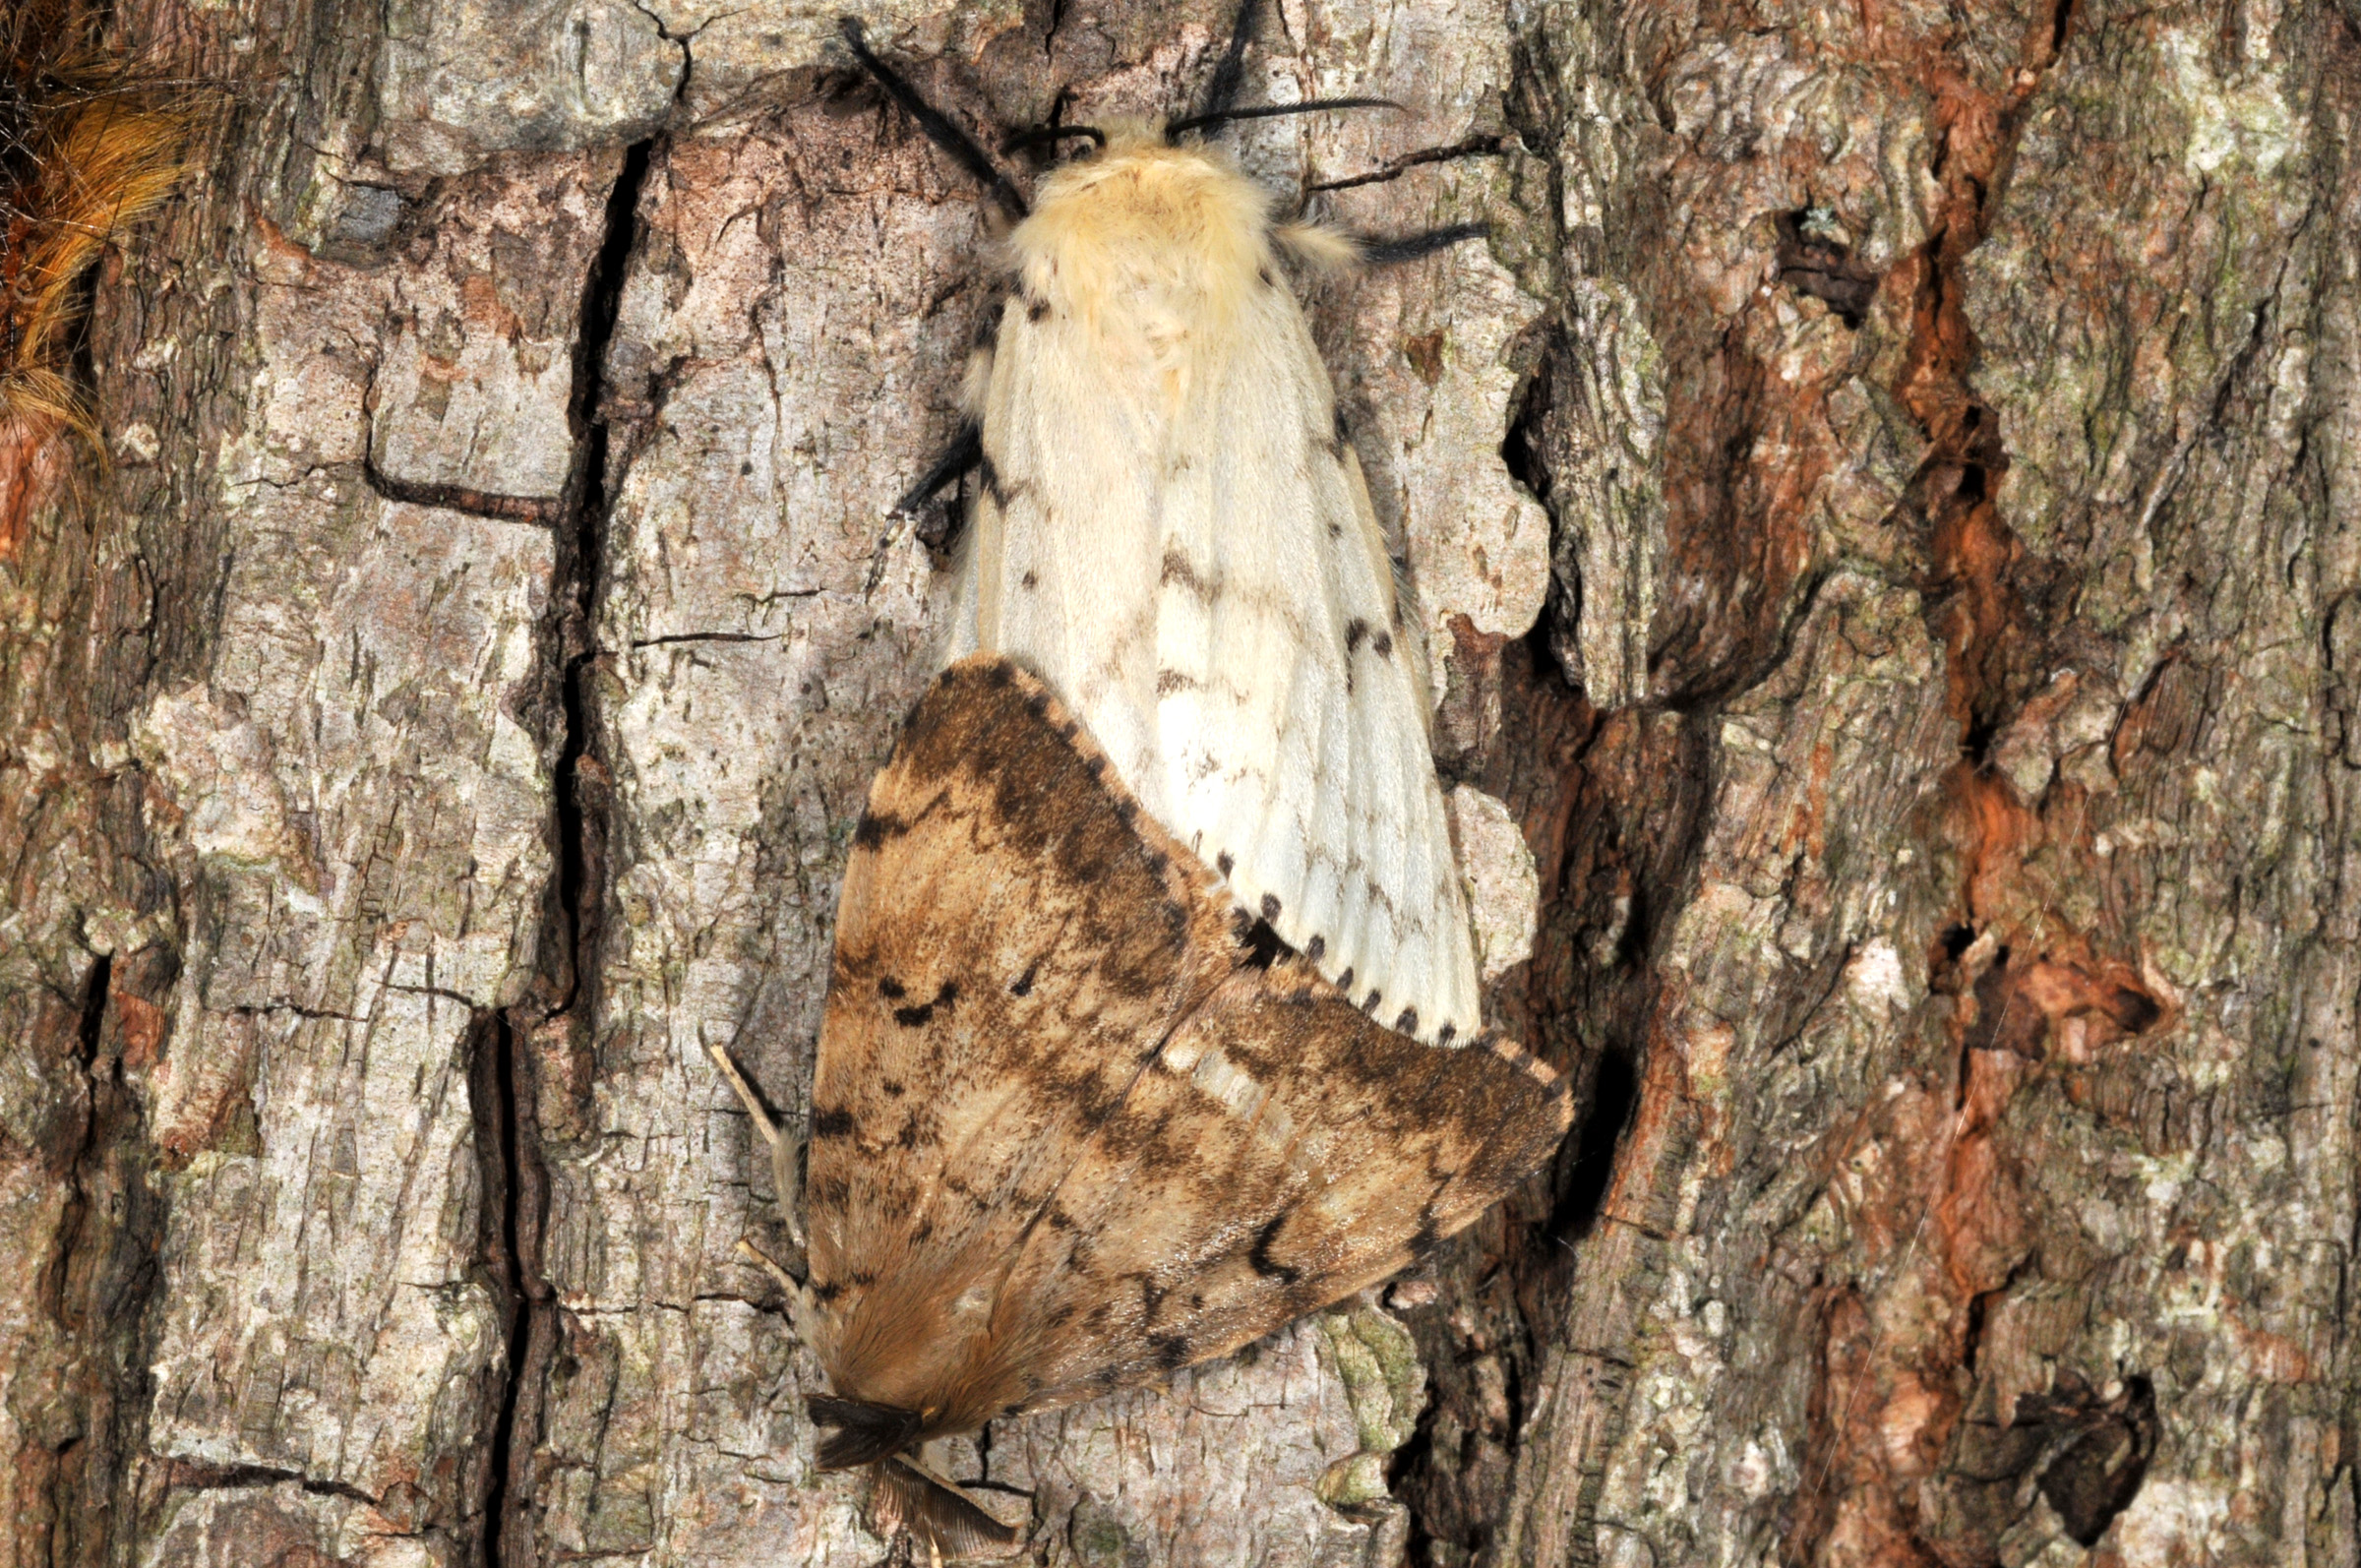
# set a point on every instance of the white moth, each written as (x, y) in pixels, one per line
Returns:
(1174, 533)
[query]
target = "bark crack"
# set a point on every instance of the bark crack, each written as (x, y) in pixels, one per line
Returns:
(510, 1044)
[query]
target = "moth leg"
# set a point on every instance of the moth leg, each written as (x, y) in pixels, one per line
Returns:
(798, 1298)
(953, 464)
(786, 1179)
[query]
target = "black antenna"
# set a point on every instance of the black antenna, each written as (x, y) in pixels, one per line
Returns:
(939, 128)
(1267, 111)
(1393, 253)
(1222, 91)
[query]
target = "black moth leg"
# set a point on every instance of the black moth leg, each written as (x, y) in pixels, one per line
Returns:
(1411, 247)
(953, 463)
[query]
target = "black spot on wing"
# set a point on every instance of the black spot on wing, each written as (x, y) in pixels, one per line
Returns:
(1370, 1004)
(1031, 579)
(833, 1123)
(1224, 863)
(1357, 631)
(1344, 982)
(1317, 948)
(1259, 1256)
(1270, 906)
(1036, 310)
(1443, 1036)
(1172, 1351)
(945, 999)
(1382, 644)
(1407, 1023)
(1023, 985)
(877, 828)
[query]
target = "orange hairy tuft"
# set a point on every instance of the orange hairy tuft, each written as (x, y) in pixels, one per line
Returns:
(86, 149)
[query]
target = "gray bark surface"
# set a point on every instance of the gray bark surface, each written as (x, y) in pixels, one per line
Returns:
(1883, 505)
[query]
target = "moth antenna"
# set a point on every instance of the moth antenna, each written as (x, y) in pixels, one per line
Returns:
(865, 1433)
(1222, 91)
(937, 125)
(1411, 247)
(1272, 111)
(941, 1513)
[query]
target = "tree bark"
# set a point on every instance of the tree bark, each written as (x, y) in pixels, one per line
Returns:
(1884, 502)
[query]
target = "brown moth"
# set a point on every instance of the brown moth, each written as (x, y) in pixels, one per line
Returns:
(1073, 1125)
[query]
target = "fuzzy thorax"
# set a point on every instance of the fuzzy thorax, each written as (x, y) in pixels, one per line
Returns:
(1145, 226)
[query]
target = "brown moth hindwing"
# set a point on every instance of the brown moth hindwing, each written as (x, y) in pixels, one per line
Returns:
(1069, 1131)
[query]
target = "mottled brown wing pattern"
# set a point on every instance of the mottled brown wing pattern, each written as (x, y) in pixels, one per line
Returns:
(1009, 951)
(1068, 1135)
(1283, 1152)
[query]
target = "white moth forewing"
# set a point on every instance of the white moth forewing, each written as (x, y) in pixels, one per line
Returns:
(1172, 533)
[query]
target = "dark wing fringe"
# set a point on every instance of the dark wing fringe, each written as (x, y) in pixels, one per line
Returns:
(864, 1432)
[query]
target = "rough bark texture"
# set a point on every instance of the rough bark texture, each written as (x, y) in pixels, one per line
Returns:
(1885, 506)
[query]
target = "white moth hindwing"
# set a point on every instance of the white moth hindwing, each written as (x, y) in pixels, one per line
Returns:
(1068, 1132)
(1175, 534)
